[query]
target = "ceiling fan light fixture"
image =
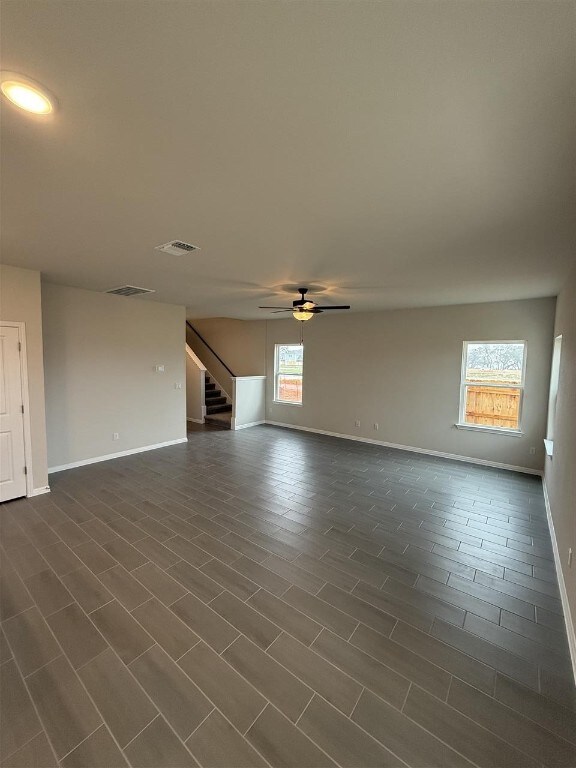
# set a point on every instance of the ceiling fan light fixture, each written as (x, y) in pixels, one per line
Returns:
(302, 314)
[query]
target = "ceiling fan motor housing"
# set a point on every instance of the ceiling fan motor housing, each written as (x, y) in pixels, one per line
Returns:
(302, 301)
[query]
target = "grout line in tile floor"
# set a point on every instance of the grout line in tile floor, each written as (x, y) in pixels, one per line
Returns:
(304, 710)
(214, 709)
(12, 754)
(358, 699)
(267, 704)
(184, 654)
(89, 613)
(156, 717)
(101, 725)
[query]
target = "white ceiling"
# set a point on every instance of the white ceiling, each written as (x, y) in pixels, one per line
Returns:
(398, 153)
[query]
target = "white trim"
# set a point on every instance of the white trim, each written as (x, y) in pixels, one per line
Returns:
(491, 430)
(570, 627)
(244, 426)
(553, 389)
(118, 455)
(246, 378)
(21, 326)
(40, 491)
(196, 421)
(412, 449)
(193, 356)
(549, 447)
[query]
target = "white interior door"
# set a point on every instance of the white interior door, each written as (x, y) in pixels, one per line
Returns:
(12, 452)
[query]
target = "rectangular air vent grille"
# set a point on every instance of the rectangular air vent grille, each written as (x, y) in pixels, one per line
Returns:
(184, 246)
(177, 248)
(129, 290)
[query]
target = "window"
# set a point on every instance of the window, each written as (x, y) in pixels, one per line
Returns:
(492, 385)
(288, 365)
(554, 381)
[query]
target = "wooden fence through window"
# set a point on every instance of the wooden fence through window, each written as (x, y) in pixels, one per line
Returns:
(492, 406)
(290, 388)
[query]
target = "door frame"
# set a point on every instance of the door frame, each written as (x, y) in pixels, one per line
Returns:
(21, 326)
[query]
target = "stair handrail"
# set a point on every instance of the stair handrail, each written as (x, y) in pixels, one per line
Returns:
(203, 340)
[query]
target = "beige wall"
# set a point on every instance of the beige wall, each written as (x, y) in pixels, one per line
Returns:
(401, 369)
(240, 343)
(560, 470)
(99, 356)
(20, 301)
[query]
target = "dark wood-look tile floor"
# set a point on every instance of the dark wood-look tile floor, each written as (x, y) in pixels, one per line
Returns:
(269, 597)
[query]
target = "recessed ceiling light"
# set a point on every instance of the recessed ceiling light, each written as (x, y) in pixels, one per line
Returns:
(26, 93)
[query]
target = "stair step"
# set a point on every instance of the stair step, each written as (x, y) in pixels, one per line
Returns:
(212, 393)
(222, 419)
(210, 401)
(209, 387)
(226, 407)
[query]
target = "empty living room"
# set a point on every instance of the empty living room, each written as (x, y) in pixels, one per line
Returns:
(236, 534)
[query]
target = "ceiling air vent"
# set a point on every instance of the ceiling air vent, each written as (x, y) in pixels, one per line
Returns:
(177, 248)
(129, 290)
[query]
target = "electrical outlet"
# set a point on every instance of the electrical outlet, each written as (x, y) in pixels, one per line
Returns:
(532, 450)
(177, 385)
(357, 423)
(115, 436)
(570, 558)
(375, 425)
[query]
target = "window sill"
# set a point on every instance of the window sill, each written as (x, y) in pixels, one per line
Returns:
(549, 446)
(285, 402)
(491, 430)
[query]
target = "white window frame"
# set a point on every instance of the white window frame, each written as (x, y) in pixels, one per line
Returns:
(277, 374)
(553, 395)
(462, 424)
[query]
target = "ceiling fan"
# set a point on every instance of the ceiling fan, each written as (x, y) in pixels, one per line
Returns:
(303, 309)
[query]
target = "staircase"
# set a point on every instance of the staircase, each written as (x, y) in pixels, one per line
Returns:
(217, 407)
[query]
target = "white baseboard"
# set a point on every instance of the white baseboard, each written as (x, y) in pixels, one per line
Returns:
(118, 455)
(196, 421)
(252, 423)
(570, 627)
(411, 449)
(39, 491)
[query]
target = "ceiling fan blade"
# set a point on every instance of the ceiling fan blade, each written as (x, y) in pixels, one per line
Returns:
(279, 311)
(342, 307)
(285, 308)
